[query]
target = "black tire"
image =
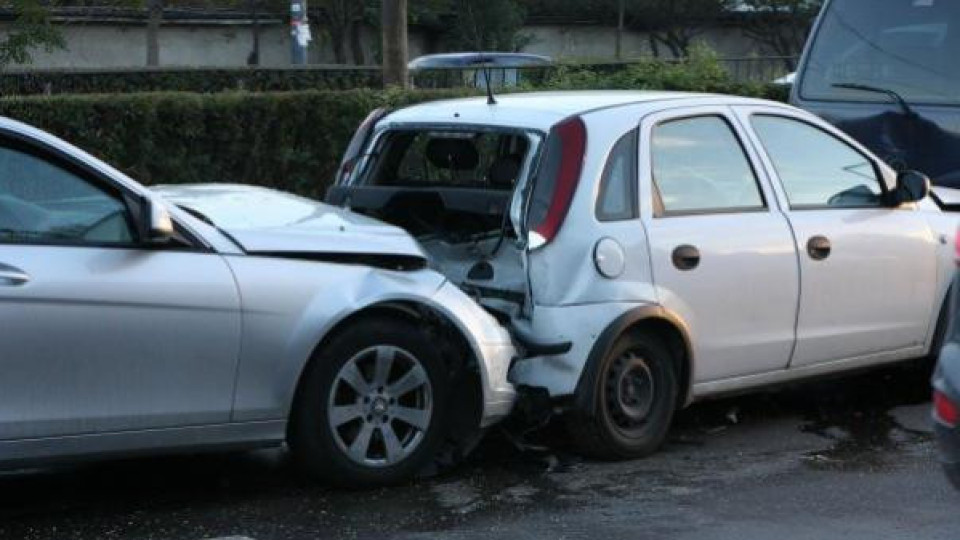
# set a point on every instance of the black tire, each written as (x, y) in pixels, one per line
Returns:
(611, 423)
(926, 365)
(321, 450)
(940, 331)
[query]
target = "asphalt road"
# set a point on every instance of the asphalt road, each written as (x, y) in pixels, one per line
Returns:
(851, 458)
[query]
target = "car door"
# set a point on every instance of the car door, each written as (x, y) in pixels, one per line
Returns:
(868, 272)
(98, 332)
(722, 254)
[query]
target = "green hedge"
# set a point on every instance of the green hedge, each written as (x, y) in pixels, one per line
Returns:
(290, 140)
(286, 140)
(188, 80)
(702, 71)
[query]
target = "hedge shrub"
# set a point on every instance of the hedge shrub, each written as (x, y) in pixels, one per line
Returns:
(290, 140)
(702, 71)
(189, 80)
(286, 140)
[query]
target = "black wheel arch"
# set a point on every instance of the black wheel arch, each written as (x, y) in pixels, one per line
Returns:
(653, 318)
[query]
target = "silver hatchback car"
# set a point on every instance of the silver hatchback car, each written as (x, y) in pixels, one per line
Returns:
(214, 316)
(651, 249)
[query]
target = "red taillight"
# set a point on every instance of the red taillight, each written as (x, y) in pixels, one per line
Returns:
(945, 410)
(572, 138)
(956, 248)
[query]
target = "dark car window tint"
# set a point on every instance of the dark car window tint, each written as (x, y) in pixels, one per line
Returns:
(41, 202)
(907, 46)
(700, 166)
(618, 186)
(815, 168)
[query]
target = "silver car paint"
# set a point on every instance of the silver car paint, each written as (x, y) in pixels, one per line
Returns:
(105, 339)
(266, 220)
(577, 304)
(282, 321)
(117, 351)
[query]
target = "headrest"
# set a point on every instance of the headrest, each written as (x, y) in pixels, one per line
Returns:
(504, 171)
(455, 154)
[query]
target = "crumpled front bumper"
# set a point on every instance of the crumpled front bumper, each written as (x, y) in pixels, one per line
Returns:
(491, 344)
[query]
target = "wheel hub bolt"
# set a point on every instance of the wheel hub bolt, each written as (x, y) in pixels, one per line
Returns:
(379, 406)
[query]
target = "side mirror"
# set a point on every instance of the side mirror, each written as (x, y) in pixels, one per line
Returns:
(912, 186)
(157, 225)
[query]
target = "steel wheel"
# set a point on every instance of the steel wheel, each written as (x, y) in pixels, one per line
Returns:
(380, 406)
(630, 391)
(627, 399)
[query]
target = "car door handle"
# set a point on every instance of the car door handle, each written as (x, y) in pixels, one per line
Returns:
(10, 275)
(686, 257)
(818, 247)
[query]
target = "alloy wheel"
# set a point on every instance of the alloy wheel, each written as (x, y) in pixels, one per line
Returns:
(380, 406)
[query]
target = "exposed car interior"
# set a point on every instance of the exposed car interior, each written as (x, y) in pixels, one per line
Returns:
(446, 183)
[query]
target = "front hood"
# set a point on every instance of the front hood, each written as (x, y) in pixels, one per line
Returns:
(270, 221)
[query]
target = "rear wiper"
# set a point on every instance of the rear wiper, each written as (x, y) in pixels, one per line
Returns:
(877, 90)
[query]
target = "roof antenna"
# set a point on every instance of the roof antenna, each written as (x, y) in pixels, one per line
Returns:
(479, 43)
(486, 75)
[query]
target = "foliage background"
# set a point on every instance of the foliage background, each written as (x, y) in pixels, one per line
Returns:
(286, 140)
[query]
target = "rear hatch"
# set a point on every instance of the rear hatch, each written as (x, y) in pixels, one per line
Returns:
(477, 198)
(455, 188)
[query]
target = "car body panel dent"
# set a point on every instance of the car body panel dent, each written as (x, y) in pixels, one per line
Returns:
(283, 323)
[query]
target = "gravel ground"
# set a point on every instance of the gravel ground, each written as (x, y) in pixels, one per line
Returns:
(850, 458)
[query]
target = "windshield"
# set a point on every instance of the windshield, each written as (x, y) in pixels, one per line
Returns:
(907, 46)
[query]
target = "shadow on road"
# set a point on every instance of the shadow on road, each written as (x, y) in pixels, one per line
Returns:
(200, 496)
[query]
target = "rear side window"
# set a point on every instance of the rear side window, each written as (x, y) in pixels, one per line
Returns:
(699, 166)
(617, 199)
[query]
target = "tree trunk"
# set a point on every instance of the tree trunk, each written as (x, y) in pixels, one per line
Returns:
(621, 12)
(254, 58)
(678, 41)
(394, 22)
(154, 16)
(339, 54)
(654, 46)
(356, 42)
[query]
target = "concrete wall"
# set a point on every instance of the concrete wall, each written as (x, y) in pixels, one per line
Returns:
(105, 45)
(100, 45)
(599, 42)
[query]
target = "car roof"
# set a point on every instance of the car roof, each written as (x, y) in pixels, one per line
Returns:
(465, 59)
(542, 110)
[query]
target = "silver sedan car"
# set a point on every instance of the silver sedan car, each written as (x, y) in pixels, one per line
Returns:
(220, 316)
